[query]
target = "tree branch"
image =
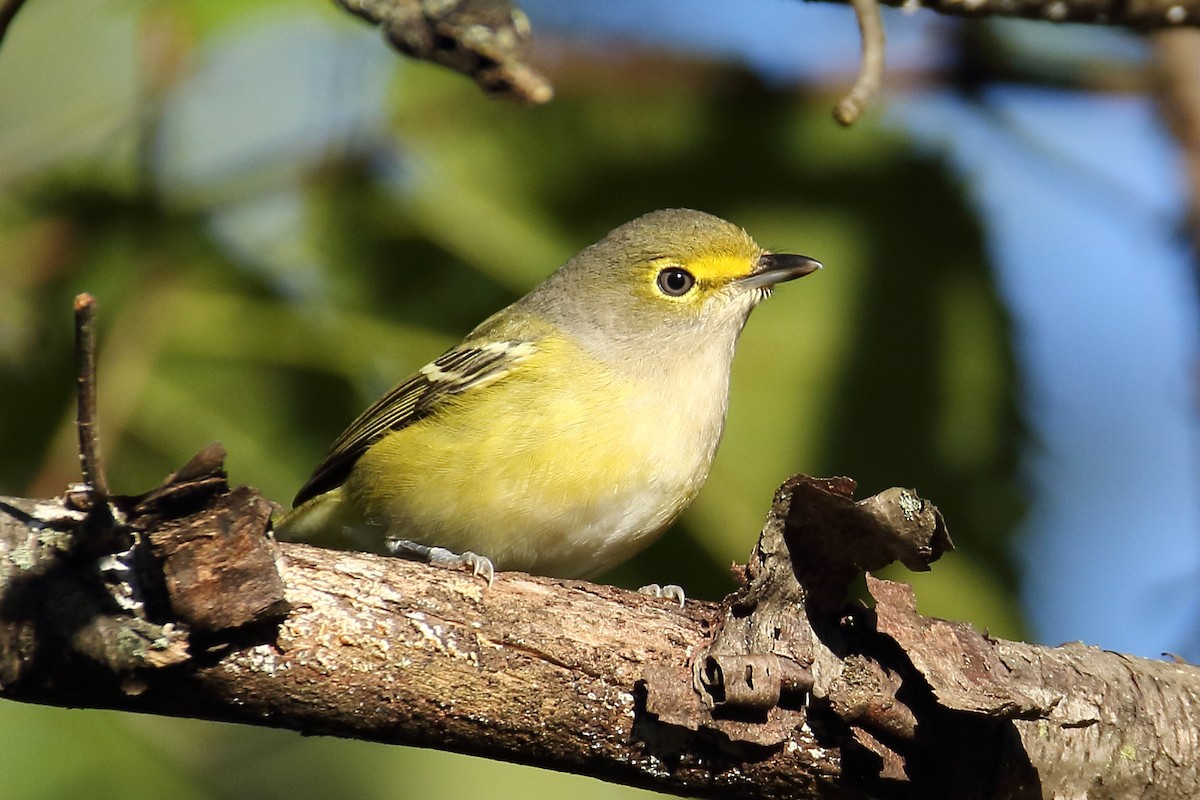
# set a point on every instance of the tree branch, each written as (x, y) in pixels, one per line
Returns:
(1136, 14)
(91, 463)
(1177, 90)
(487, 40)
(870, 71)
(783, 690)
(8, 12)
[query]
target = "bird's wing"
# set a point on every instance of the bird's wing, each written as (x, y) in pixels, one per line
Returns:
(468, 366)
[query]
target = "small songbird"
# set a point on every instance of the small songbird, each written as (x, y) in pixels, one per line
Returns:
(567, 431)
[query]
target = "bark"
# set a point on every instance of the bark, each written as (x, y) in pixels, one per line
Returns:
(186, 606)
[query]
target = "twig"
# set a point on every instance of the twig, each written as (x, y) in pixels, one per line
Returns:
(8, 10)
(870, 70)
(85, 380)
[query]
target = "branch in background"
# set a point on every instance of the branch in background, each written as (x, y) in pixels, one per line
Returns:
(1136, 14)
(1177, 90)
(8, 11)
(487, 40)
(870, 70)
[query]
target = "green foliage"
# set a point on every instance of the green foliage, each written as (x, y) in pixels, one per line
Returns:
(266, 302)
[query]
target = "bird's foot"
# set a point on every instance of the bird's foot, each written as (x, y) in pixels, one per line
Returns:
(439, 556)
(669, 592)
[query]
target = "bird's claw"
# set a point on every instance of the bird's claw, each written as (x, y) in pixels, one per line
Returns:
(480, 566)
(669, 592)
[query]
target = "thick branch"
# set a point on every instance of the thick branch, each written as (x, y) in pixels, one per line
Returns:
(780, 691)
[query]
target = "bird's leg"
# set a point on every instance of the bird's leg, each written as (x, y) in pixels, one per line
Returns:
(440, 556)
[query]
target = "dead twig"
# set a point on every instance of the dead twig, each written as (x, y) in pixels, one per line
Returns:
(85, 385)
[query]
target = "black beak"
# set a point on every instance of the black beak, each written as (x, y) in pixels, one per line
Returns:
(776, 268)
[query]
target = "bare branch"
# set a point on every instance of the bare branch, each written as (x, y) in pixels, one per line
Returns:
(1137, 14)
(85, 385)
(782, 691)
(870, 71)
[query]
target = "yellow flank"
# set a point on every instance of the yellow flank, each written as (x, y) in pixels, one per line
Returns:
(568, 430)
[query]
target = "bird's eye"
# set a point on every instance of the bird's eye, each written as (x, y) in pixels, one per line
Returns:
(675, 281)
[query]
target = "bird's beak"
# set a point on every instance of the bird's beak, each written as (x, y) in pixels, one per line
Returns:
(773, 268)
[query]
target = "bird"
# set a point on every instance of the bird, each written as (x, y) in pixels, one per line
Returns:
(567, 431)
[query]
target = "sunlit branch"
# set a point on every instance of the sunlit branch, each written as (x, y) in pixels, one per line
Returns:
(870, 71)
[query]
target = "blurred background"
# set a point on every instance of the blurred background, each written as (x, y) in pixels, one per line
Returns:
(280, 218)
